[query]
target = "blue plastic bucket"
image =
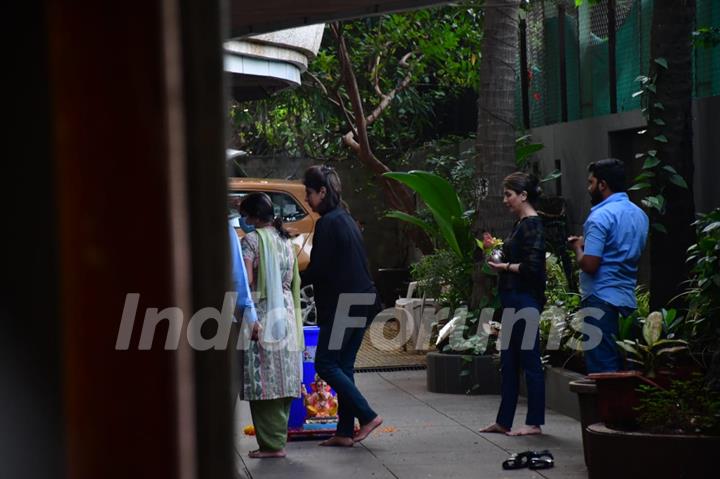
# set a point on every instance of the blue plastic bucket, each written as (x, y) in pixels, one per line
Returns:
(297, 408)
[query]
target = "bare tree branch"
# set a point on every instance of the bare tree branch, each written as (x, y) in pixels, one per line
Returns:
(322, 87)
(375, 75)
(349, 139)
(348, 114)
(388, 98)
(403, 61)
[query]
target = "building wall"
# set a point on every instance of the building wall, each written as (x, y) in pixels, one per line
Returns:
(580, 142)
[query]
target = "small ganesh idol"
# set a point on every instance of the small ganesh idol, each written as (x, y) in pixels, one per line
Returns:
(320, 403)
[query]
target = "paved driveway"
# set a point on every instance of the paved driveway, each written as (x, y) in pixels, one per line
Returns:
(425, 435)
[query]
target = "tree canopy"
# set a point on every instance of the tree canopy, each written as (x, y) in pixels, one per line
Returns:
(409, 68)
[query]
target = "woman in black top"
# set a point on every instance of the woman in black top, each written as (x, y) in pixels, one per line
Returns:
(521, 285)
(338, 265)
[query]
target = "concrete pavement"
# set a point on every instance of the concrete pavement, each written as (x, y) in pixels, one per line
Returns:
(425, 435)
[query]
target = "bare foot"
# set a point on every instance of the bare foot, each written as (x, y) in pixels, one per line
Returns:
(365, 430)
(338, 441)
(258, 454)
(525, 431)
(495, 427)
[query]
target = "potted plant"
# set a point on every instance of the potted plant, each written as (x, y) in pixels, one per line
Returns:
(679, 431)
(703, 295)
(462, 363)
(587, 388)
(678, 419)
(559, 324)
(617, 391)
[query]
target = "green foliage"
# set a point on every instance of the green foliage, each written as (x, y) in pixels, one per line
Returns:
(470, 338)
(704, 288)
(524, 151)
(443, 46)
(443, 202)
(706, 37)
(445, 277)
(297, 122)
(655, 175)
(652, 350)
(686, 407)
(579, 3)
(559, 324)
(557, 290)
(642, 295)
(458, 168)
(628, 324)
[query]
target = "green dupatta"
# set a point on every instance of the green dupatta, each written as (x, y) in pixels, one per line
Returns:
(269, 284)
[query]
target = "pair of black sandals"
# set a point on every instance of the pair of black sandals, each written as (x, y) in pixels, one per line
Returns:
(530, 459)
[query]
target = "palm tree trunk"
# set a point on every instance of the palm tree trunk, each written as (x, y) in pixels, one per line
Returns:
(495, 140)
(672, 28)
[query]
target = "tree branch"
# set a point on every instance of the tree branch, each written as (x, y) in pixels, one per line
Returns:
(398, 197)
(386, 99)
(348, 114)
(375, 75)
(322, 87)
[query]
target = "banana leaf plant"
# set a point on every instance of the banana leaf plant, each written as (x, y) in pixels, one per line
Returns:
(451, 221)
(654, 348)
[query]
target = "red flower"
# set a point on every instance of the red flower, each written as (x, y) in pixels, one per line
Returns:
(536, 96)
(487, 240)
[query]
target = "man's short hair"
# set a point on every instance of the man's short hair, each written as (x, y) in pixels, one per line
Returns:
(611, 171)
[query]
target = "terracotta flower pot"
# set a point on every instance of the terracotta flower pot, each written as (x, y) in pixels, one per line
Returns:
(618, 397)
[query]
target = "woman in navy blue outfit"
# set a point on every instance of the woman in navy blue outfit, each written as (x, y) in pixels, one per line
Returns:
(338, 265)
(522, 285)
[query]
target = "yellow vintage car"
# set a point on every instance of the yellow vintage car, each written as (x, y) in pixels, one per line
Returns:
(288, 198)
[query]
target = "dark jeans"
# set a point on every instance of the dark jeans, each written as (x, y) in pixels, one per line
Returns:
(337, 368)
(605, 357)
(515, 357)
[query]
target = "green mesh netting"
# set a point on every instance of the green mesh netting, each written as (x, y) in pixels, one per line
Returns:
(552, 69)
(631, 56)
(593, 40)
(707, 60)
(537, 68)
(572, 64)
(587, 56)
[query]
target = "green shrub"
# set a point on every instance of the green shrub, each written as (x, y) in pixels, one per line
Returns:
(704, 287)
(445, 277)
(687, 406)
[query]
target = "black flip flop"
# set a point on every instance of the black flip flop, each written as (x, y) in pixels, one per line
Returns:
(517, 460)
(541, 460)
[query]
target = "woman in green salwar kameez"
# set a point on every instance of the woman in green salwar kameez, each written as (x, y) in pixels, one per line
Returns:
(271, 366)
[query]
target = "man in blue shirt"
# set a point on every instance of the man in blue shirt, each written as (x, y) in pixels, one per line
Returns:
(608, 254)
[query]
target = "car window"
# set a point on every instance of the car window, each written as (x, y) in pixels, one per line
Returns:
(284, 205)
(234, 200)
(287, 208)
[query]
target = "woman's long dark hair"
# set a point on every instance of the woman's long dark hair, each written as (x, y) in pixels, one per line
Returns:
(317, 177)
(519, 182)
(260, 206)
